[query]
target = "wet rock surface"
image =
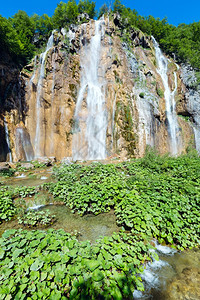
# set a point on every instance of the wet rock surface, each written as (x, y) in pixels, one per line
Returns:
(133, 88)
(186, 286)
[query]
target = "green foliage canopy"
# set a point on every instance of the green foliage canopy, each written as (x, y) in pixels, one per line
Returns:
(87, 6)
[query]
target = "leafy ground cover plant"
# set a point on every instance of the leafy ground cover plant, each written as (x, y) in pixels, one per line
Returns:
(54, 265)
(7, 172)
(155, 195)
(35, 218)
(7, 207)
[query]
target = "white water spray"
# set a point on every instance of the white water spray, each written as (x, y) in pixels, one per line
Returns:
(89, 138)
(34, 70)
(146, 103)
(39, 94)
(7, 140)
(23, 141)
(169, 99)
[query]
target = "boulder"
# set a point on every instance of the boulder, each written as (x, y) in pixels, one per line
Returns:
(4, 166)
(27, 166)
(48, 161)
(67, 160)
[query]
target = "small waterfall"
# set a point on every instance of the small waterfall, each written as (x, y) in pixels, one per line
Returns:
(173, 127)
(24, 148)
(146, 103)
(145, 114)
(30, 82)
(7, 140)
(52, 101)
(196, 128)
(19, 94)
(34, 71)
(113, 118)
(39, 94)
(89, 138)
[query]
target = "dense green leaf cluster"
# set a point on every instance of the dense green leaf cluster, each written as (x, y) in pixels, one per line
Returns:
(155, 195)
(7, 172)
(54, 265)
(34, 218)
(7, 207)
(88, 189)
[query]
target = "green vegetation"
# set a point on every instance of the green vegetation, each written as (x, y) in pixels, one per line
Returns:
(32, 218)
(141, 95)
(7, 208)
(153, 197)
(156, 196)
(54, 265)
(22, 36)
(160, 92)
(7, 172)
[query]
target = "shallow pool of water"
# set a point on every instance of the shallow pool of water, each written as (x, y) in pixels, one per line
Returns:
(90, 227)
(29, 178)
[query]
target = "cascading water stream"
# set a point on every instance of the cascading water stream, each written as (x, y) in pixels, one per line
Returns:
(146, 103)
(196, 128)
(39, 94)
(19, 94)
(23, 142)
(52, 102)
(34, 71)
(169, 99)
(89, 138)
(7, 140)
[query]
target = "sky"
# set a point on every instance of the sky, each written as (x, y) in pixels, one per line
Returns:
(176, 11)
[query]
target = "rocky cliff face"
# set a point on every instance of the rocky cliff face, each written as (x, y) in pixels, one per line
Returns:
(96, 92)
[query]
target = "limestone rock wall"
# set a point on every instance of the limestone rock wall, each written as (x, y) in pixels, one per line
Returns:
(134, 92)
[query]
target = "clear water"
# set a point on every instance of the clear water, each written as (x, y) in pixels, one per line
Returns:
(89, 227)
(31, 178)
(165, 279)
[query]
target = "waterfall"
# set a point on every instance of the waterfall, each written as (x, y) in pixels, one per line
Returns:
(89, 137)
(113, 118)
(146, 104)
(34, 71)
(39, 94)
(19, 94)
(173, 127)
(52, 101)
(23, 145)
(196, 128)
(7, 140)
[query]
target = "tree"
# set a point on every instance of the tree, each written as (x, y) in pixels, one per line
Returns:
(65, 14)
(25, 29)
(118, 6)
(104, 9)
(9, 40)
(87, 6)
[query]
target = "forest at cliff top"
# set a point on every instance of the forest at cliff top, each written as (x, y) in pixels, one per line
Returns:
(22, 36)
